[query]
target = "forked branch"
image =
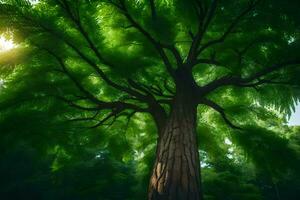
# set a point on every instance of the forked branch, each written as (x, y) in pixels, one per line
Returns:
(157, 45)
(204, 21)
(230, 28)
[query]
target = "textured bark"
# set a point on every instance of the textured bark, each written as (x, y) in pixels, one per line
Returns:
(176, 172)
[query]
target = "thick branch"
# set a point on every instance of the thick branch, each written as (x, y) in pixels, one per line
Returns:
(145, 98)
(155, 108)
(243, 82)
(157, 111)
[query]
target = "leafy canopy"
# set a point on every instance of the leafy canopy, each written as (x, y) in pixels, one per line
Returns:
(82, 64)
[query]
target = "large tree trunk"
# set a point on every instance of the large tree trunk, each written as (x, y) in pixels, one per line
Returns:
(176, 172)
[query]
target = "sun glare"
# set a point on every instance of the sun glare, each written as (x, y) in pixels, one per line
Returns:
(6, 44)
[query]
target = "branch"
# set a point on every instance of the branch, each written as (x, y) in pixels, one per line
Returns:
(101, 74)
(64, 5)
(241, 53)
(129, 116)
(243, 82)
(223, 81)
(155, 109)
(271, 69)
(72, 104)
(153, 9)
(76, 20)
(220, 110)
(201, 9)
(93, 117)
(114, 114)
(158, 46)
(149, 94)
(202, 27)
(149, 98)
(175, 53)
(154, 106)
(154, 90)
(265, 81)
(146, 98)
(114, 105)
(211, 61)
(139, 87)
(234, 23)
(65, 70)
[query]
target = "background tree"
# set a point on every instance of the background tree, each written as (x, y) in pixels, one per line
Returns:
(170, 60)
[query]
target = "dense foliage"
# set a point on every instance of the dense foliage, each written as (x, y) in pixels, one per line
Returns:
(75, 117)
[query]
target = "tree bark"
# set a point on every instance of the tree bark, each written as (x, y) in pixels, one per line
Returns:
(176, 172)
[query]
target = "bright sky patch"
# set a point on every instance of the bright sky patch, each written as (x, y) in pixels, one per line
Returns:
(295, 118)
(6, 44)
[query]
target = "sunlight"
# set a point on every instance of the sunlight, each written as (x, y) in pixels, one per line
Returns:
(227, 141)
(1, 83)
(6, 44)
(295, 118)
(33, 2)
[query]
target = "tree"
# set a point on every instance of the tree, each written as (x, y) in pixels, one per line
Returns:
(171, 60)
